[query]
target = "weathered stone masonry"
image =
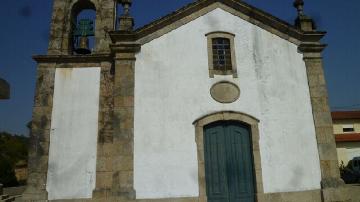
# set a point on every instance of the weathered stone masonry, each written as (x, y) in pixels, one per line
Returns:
(40, 131)
(123, 159)
(333, 188)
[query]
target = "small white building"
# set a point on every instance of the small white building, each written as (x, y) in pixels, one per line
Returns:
(347, 135)
(218, 101)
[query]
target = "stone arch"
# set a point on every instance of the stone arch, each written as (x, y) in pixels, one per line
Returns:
(61, 29)
(76, 7)
(249, 120)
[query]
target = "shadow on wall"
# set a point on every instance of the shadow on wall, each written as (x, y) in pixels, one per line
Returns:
(4, 89)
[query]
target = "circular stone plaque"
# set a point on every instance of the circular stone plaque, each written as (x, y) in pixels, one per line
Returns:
(225, 92)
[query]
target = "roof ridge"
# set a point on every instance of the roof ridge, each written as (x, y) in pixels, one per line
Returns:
(156, 21)
(337, 115)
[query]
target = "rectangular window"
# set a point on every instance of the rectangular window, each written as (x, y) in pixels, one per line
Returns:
(221, 54)
(348, 128)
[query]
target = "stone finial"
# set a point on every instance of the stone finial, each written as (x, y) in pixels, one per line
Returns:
(126, 5)
(303, 22)
(126, 22)
(299, 5)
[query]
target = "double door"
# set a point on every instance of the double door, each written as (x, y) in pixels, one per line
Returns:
(228, 163)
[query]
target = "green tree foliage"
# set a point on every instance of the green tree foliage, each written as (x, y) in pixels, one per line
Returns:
(13, 148)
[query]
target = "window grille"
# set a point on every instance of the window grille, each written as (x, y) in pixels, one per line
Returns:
(221, 54)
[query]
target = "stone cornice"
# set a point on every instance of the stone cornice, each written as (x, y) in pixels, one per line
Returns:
(239, 8)
(120, 36)
(93, 58)
(314, 36)
(125, 47)
(312, 47)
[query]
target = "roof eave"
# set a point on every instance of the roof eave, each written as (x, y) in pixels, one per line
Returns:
(290, 31)
(92, 58)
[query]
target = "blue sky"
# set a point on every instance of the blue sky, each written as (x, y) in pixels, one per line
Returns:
(25, 28)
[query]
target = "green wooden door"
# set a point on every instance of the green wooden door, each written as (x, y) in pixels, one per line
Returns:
(228, 163)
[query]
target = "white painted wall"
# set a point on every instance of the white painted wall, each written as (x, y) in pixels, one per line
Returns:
(339, 124)
(73, 136)
(347, 151)
(172, 90)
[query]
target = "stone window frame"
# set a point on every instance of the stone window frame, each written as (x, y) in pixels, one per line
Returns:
(348, 128)
(221, 34)
(248, 120)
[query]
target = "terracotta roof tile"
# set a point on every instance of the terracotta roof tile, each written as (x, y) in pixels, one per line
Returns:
(351, 137)
(345, 115)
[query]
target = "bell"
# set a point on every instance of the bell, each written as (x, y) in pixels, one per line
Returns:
(83, 46)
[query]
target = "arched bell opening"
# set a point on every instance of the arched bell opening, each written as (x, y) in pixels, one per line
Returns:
(83, 24)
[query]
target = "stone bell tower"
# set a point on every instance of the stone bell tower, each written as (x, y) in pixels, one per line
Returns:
(113, 53)
(64, 23)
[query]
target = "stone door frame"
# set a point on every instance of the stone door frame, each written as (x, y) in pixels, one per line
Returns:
(199, 138)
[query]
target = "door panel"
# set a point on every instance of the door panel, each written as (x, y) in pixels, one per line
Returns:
(228, 163)
(215, 163)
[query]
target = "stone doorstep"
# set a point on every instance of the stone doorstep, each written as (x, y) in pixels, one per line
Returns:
(14, 191)
(7, 198)
(3, 197)
(12, 198)
(347, 193)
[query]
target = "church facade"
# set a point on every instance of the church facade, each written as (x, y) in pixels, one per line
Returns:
(218, 101)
